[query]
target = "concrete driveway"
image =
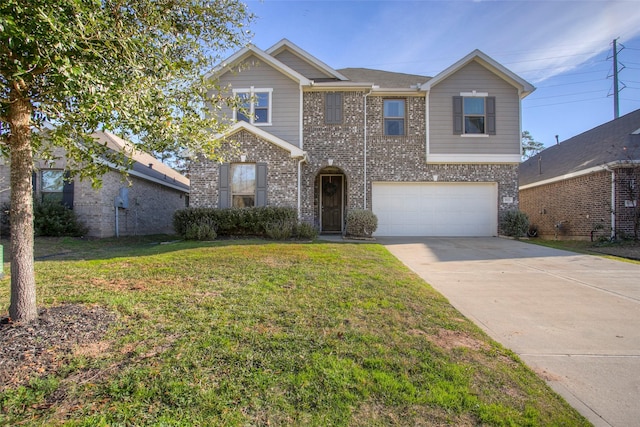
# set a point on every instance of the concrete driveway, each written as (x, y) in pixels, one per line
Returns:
(574, 319)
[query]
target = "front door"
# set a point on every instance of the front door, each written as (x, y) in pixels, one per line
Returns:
(331, 203)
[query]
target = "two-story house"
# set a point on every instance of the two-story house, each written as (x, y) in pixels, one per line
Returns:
(430, 156)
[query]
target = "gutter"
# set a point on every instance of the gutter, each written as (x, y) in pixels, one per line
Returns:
(606, 166)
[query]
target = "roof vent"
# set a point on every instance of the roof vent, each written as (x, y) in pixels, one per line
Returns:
(150, 165)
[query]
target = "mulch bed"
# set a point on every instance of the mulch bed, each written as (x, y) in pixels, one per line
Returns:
(40, 348)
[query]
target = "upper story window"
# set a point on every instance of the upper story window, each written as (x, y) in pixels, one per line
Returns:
(394, 116)
(333, 108)
(256, 105)
(474, 114)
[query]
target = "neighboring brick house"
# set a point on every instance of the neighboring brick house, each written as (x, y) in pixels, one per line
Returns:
(143, 205)
(429, 156)
(588, 186)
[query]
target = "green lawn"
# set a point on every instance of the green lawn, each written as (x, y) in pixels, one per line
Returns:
(257, 333)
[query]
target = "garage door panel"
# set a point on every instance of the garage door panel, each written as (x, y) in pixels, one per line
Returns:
(435, 209)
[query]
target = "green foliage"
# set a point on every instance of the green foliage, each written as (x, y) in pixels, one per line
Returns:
(53, 219)
(235, 221)
(530, 147)
(232, 333)
(280, 230)
(514, 223)
(361, 223)
(306, 231)
(133, 66)
(203, 230)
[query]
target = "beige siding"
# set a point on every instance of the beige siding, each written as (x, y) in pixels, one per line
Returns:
(286, 94)
(300, 65)
(469, 78)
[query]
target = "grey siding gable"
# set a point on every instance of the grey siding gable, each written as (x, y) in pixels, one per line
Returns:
(285, 115)
(473, 76)
(300, 65)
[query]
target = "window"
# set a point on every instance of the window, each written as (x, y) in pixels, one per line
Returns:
(394, 116)
(333, 108)
(256, 106)
(243, 185)
(56, 186)
(474, 114)
(52, 185)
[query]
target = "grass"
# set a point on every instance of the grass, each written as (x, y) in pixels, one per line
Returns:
(256, 333)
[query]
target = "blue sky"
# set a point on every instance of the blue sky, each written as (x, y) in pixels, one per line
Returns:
(561, 47)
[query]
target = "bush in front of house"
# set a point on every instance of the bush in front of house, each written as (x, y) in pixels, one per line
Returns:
(514, 223)
(51, 218)
(232, 221)
(361, 223)
(306, 231)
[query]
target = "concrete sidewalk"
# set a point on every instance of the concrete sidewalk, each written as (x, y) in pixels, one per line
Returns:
(574, 319)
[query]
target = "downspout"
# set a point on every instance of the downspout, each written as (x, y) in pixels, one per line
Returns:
(613, 200)
(365, 148)
(300, 188)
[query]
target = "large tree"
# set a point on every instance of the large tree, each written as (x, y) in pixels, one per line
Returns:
(69, 68)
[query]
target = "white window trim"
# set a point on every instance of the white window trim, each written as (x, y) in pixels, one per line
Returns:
(473, 94)
(252, 91)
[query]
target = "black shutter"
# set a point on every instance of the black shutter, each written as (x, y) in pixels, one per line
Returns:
(491, 114)
(458, 126)
(223, 186)
(261, 184)
(67, 190)
(34, 180)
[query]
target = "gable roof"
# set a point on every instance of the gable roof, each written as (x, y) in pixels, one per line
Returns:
(611, 142)
(285, 44)
(524, 87)
(245, 53)
(295, 152)
(145, 165)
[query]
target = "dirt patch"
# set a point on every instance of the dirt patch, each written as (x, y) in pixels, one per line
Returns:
(449, 339)
(41, 347)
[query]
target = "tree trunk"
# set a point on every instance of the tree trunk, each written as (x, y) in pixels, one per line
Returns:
(22, 307)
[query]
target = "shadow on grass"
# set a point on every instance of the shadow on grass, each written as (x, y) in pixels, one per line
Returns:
(79, 248)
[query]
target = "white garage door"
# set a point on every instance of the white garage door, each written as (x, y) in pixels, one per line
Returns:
(435, 208)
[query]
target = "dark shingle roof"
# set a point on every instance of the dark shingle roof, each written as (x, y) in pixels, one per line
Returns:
(384, 79)
(609, 142)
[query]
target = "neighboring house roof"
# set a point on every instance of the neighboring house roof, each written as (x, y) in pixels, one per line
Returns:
(617, 141)
(385, 79)
(524, 87)
(145, 166)
(294, 151)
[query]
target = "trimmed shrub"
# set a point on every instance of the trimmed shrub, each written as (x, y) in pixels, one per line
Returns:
(233, 221)
(280, 230)
(361, 223)
(306, 231)
(204, 230)
(514, 223)
(53, 219)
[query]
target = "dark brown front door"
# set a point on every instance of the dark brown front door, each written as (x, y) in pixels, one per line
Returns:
(331, 203)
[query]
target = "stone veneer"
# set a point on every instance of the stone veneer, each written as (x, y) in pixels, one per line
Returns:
(282, 171)
(400, 159)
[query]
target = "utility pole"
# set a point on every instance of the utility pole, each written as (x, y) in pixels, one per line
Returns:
(616, 102)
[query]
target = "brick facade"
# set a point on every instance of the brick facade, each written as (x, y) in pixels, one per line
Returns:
(150, 211)
(580, 208)
(340, 149)
(282, 171)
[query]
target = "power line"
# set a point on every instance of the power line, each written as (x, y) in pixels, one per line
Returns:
(561, 103)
